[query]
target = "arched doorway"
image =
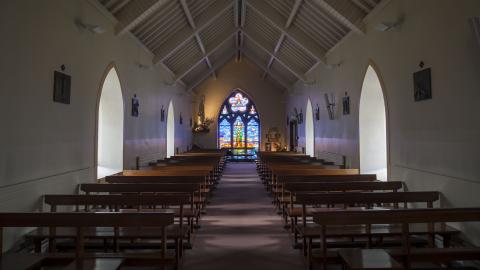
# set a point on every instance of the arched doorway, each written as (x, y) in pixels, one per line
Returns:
(239, 126)
(373, 126)
(309, 130)
(170, 130)
(110, 126)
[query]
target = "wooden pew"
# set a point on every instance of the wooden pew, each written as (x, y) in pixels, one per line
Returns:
(278, 173)
(288, 196)
(118, 203)
(81, 221)
(150, 177)
(356, 199)
(278, 189)
(166, 175)
(147, 188)
(407, 219)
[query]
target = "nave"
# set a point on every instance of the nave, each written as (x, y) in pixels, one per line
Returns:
(218, 134)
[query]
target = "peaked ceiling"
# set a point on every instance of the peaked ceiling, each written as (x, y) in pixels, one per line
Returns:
(192, 39)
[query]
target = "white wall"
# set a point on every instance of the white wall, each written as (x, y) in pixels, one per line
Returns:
(373, 127)
(269, 99)
(433, 144)
(49, 147)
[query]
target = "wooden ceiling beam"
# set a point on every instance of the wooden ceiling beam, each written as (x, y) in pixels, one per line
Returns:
(163, 53)
(209, 53)
(298, 37)
(264, 48)
(335, 7)
(216, 67)
(119, 6)
(362, 5)
(134, 13)
(191, 22)
(290, 19)
(262, 67)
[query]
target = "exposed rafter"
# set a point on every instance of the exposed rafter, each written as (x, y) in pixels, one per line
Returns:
(299, 38)
(191, 37)
(292, 15)
(264, 68)
(220, 63)
(170, 48)
(209, 53)
(119, 6)
(186, 10)
(264, 47)
(241, 4)
(134, 13)
(335, 7)
(362, 5)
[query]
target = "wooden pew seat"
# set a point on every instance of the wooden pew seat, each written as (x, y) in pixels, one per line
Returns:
(408, 220)
(80, 222)
(368, 259)
(95, 264)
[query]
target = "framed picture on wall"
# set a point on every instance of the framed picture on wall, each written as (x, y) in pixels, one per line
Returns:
(61, 87)
(422, 84)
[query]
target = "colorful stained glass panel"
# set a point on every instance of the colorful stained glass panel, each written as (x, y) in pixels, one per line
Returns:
(238, 103)
(252, 134)
(224, 134)
(238, 133)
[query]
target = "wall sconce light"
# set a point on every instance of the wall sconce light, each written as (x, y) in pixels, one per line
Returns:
(93, 28)
(387, 26)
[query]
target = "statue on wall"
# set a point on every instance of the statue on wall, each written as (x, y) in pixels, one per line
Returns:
(201, 110)
(202, 124)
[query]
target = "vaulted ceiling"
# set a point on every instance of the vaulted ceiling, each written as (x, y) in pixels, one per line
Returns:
(192, 39)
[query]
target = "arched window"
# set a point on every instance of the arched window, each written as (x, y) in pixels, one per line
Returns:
(110, 126)
(239, 126)
(373, 127)
(309, 130)
(170, 130)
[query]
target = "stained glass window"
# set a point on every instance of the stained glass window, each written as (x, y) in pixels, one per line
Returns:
(252, 134)
(238, 133)
(239, 127)
(252, 110)
(224, 134)
(238, 103)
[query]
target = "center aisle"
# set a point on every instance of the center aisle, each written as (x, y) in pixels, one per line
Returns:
(241, 229)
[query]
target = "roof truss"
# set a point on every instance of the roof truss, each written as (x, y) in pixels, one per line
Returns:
(192, 39)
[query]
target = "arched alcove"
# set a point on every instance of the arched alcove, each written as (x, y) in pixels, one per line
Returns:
(309, 130)
(239, 126)
(110, 126)
(373, 126)
(170, 130)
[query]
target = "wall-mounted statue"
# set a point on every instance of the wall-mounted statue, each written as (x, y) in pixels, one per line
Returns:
(201, 110)
(202, 124)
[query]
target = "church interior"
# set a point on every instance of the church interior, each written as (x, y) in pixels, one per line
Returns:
(240, 134)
